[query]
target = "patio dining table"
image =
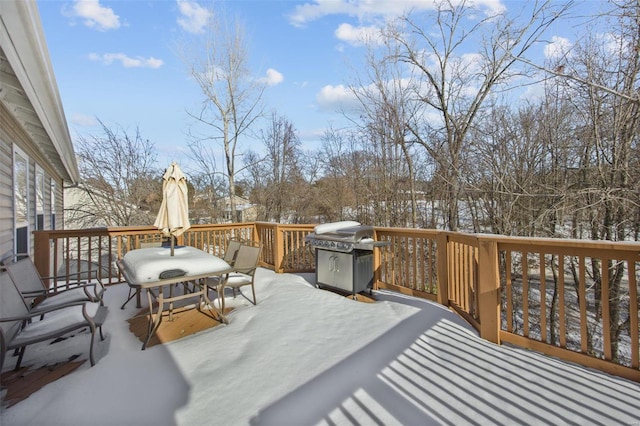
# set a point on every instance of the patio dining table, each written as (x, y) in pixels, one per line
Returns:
(153, 269)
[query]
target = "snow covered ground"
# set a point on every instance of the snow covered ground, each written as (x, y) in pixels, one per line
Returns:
(306, 356)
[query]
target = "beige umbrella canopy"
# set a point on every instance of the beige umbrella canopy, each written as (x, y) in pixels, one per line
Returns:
(173, 217)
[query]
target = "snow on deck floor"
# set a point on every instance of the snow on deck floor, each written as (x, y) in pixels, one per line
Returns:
(306, 356)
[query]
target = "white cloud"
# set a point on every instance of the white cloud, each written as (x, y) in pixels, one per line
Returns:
(311, 11)
(194, 18)
(272, 78)
(342, 98)
(126, 61)
(366, 9)
(95, 15)
(336, 98)
(83, 120)
(491, 7)
(358, 36)
(557, 48)
(613, 43)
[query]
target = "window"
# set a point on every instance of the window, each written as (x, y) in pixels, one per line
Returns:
(53, 204)
(39, 199)
(21, 201)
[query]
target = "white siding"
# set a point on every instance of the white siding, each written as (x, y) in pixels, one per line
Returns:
(6, 199)
(31, 120)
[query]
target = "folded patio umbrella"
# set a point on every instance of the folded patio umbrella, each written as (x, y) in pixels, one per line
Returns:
(173, 217)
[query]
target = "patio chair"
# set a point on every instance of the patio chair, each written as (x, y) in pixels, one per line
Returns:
(32, 287)
(232, 252)
(243, 274)
(230, 257)
(19, 326)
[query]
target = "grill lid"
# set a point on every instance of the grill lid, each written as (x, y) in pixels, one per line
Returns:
(343, 237)
(332, 227)
(356, 233)
(342, 231)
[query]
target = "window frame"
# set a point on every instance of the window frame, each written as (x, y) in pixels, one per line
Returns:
(21, 228)
(39, 199)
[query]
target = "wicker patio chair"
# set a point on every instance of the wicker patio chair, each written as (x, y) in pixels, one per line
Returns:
(20, 327)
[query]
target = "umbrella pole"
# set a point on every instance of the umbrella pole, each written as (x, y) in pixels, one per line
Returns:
(172, 244)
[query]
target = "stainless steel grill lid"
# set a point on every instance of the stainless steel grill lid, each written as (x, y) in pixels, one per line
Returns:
(351, 234)
(342, 236)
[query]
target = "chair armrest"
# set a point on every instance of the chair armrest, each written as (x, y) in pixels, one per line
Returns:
(43, 311)
(76, 282)
(98, 318)
(34, 293)
(101, 315)
(71, 274)
(248, 271)
(61, 282)
(86, 287)
(96, 286)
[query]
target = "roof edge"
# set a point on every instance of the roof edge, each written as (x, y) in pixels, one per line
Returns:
(24, 44)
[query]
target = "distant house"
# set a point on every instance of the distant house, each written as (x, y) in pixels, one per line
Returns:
(36, 153)
(245, 211)
(88, 207)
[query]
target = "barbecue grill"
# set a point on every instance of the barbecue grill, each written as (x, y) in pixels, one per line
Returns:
(344, 256)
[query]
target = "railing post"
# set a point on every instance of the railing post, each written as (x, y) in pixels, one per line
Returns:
(442, 268)
(489, 290)
(278, 250)
(41, 255)
(255, 235)
(377, 261)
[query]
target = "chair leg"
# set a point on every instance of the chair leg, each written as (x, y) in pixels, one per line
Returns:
(93, 335)
(253, 290)
(20, 355)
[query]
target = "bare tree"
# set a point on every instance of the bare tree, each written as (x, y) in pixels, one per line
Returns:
(456, 85)
(232, 97)
(209, 183)
(605, 90)
(584, 175)
(276, 177)
(335, 191)
(385, 97)
(121, 184)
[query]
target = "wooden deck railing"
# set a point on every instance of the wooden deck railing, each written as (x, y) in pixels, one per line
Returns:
(573, 299)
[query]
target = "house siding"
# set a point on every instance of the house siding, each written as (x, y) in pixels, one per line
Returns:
(59, 206)
(32, 124)
(6, 197)
(12, 134)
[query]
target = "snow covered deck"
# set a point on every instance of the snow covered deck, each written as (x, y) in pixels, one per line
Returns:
(307, 356)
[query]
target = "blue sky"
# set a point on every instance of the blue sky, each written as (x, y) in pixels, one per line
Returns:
(116, 60)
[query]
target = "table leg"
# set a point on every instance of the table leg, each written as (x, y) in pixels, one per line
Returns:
(171, 302)
(205, 293)
(154, 319)
(132, 293)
